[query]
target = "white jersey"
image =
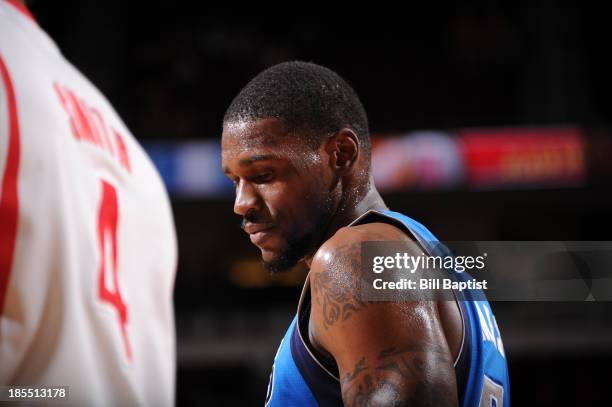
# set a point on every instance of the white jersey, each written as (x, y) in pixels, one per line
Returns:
(87, 242)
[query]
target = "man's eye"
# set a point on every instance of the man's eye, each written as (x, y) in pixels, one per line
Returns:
(262, 178)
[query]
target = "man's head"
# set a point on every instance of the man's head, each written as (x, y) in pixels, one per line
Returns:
(296, 144)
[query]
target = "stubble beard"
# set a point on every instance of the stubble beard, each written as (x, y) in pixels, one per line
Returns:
(300, 247)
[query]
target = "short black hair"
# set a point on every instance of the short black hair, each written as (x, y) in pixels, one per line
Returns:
(306, 97)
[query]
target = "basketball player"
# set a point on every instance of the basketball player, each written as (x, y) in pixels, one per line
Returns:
(87, 240)
(296, 144)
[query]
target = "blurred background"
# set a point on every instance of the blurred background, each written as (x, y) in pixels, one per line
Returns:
(490, 121)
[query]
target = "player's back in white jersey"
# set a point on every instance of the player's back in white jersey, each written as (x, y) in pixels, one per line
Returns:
(87, 241)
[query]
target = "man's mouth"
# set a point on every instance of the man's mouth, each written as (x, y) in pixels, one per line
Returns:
(258, 231)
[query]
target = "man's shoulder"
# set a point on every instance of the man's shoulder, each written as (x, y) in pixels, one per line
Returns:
(347, 241)
(335, 277)
(336, 280)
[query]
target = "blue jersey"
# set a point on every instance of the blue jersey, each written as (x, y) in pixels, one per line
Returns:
(299, 379)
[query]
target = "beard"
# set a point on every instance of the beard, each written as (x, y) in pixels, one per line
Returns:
(299, 247)
(287, 259)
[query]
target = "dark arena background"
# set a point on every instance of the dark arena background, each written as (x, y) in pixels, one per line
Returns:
(490, 121)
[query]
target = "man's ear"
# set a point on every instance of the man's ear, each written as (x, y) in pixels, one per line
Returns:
(343, 149)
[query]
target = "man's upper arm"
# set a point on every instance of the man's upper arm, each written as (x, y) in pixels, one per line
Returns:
(388, 353)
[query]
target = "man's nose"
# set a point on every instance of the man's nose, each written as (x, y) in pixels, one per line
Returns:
(246, 199)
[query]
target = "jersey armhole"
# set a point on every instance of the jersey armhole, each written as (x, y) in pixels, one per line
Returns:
(9, 193)
(302, 321)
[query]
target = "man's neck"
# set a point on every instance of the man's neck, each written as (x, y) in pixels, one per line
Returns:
(372, 200)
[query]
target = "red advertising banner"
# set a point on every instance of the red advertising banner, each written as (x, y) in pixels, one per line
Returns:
(535, 157)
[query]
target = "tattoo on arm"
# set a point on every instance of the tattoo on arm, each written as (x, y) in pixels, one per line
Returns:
(386, 379)
(359, 367)
(336, 289)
